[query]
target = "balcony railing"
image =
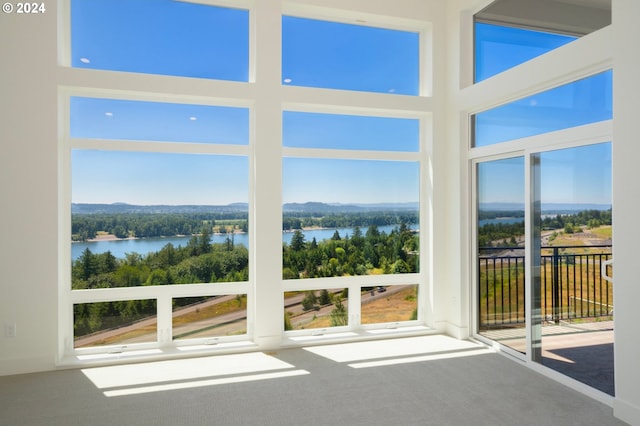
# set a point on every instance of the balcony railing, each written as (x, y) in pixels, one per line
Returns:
(571, 285)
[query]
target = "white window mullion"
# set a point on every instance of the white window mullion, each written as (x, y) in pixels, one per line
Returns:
(164, 315)
(266, 214)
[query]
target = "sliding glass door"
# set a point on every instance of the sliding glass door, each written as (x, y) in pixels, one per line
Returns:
(500, 260)
(572, 302)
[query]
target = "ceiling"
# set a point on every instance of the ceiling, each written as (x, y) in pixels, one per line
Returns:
(576, 17)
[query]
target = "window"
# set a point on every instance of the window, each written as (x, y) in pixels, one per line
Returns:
(500, 213)
(189, 203)
(120, 119)
(581, 102)
(147, 211)
(142, 218)
(346, 215)
(350, 132)
(316, 310)
(499, 47)
(350, 215)
(390, 305)
(209, 317)
(164, 37)
(334, 55)
(511, 32)
(573, 212)
(114, 323)
(543, 207)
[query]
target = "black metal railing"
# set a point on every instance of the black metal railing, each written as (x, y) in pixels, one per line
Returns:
(571, 285)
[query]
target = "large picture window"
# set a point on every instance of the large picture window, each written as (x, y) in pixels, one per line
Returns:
(189, 203)
(159, 197)
(351, 187)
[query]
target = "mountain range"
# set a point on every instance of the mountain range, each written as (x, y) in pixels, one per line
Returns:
(308, 207)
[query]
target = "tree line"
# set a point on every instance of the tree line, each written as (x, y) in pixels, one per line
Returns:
(199, 261)
(356, 254)
(300, 220)
(505, 234)
(148, 225)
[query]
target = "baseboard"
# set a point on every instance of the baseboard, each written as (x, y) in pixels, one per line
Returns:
(626, 412)
(453, 330)
(11, 366)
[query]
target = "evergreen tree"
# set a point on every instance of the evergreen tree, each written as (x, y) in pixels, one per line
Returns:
(204, 244)
(338, 316)
(325, 298)
(310, 300)
(297, 240)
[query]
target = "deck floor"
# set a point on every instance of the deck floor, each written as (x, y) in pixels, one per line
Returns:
(583, 351)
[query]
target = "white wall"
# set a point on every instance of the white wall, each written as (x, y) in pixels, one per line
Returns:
(28, 188)
(626, 201)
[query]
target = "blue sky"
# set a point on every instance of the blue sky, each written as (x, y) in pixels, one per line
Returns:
(160, 37)
(349, 181)
(191, 40)
(153, 178)
(581, 102)
(95, 118)
(377, 60)
(499, 48)
(570, 176)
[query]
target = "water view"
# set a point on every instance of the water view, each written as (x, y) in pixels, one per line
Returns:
(119, 248)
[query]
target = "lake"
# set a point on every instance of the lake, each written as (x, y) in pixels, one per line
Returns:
(119, 248)
(503, 220)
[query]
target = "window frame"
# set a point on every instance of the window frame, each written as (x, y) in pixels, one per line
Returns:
(355, 283)
(266, 99)
(162, 294)
(581, 58)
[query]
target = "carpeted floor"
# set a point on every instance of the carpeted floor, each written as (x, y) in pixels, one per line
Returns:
(431, 380)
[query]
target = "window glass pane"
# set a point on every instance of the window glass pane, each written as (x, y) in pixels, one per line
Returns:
(150, 218)
(155, 121)
(333, 55)
(498, 48)
(335, 131)
(313, 309)
(575, 302)
(582, 102)
(165, 37)
(500, 264)
(202, 317)
(114, 323)
(389, 304)
(349, 217)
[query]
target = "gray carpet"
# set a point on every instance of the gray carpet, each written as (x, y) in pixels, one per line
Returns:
(333, 385)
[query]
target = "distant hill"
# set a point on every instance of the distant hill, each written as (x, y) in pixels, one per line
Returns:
(309, 207)
(325, 208)
(123, 208)
(568, 208)
(547, 208)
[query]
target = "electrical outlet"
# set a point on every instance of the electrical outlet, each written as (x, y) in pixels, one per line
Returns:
(10, 330)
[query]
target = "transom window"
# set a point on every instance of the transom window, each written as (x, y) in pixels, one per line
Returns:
(176, 38)
(334, 55)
